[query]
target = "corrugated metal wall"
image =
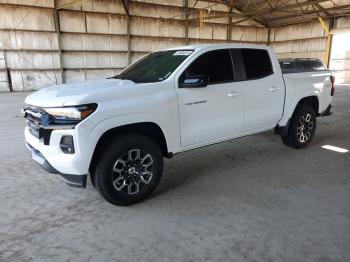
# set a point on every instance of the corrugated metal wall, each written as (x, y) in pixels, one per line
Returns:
(95, 38)
(300, 40)
(340, 56)
(28, 44)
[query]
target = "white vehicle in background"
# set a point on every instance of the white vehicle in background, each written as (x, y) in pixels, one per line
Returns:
(118, 130)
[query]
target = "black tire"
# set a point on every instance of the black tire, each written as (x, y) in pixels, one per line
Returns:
(111, 173)
(294, 138)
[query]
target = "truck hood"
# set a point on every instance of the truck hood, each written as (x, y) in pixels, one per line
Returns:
(79, 93)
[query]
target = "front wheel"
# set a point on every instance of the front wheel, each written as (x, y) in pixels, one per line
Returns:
(129, 170)
(302, 127)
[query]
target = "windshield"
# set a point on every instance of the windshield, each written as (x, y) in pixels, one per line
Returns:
(154, 67)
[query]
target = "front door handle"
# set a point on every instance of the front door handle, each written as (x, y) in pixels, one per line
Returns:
(274, 89)
(233, 94)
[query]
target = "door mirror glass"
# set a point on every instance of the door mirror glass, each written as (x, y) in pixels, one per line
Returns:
(195, 81)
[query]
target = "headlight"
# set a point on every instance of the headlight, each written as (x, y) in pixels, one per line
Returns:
(70, 114)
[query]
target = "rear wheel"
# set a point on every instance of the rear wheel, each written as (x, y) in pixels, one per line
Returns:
(302, 127)
(129, 170)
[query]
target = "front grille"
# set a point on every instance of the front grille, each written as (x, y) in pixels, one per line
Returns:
(37, 117)
(33, 116)
(33, 128)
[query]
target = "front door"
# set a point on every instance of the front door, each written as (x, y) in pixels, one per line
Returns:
(215, 112)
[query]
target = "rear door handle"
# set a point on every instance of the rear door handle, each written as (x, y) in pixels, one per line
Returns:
(233, 94)
(274, 89)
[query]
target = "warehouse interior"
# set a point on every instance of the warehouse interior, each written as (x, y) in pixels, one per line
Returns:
(45, 42)
(248, 199)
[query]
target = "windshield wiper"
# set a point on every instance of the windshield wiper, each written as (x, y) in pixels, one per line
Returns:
(115, 77)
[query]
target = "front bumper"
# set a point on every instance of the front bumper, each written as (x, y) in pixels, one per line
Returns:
(71, 168)
(75, 164)
(72, 180)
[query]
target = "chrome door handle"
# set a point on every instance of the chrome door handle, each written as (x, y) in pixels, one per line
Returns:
(233, 94)
(274, 89)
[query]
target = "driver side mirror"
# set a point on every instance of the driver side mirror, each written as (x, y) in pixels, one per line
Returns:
(197, 81)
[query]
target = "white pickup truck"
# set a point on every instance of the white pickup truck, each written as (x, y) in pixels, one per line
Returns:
(118, 130)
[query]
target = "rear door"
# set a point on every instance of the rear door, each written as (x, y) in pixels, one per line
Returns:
(214, 112)
(264, 90)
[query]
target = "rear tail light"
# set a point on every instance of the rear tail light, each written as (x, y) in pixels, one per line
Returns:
(333, 85)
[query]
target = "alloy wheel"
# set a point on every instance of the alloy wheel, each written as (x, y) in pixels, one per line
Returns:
(305, 128)
(132, 171)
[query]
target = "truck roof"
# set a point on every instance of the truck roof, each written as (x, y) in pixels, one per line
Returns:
(199, 47)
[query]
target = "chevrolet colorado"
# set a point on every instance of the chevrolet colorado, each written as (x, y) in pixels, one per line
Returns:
(118, 130)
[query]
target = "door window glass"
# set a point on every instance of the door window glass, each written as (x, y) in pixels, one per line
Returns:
(215, 64)
(257, 63)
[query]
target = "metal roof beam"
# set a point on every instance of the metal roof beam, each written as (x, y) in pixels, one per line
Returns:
(283, 8)
(232, 14)
(125, 4)
(323, 10)
(256, 19)
(309, 13)
(254, 14)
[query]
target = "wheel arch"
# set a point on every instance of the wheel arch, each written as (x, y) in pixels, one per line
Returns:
(309, 100)
(149, 129)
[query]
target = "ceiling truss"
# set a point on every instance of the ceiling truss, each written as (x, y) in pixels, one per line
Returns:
(272, 13)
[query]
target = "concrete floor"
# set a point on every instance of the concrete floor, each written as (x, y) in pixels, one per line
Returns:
(252, 199)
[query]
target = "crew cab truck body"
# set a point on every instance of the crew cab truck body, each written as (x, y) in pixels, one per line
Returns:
(118, 130)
